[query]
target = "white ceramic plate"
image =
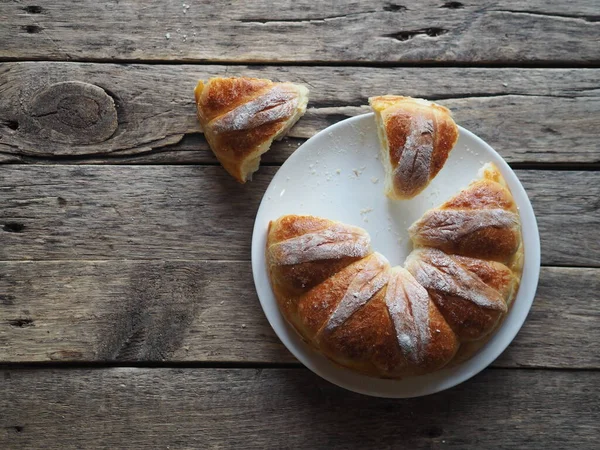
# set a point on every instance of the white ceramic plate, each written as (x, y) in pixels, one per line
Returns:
(337, 175)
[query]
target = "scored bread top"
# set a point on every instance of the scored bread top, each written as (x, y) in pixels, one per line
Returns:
(416, 138)
(242, 116)
(480, 221)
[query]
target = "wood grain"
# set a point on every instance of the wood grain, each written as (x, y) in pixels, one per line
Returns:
(208, 311)
(383, 31)
(529, 115)
(278, 408)
(199, 212)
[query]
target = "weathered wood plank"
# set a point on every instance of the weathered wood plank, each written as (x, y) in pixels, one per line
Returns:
(518, 32)
(528, 115)
(208, 312)
(277, 408)
(199, 212)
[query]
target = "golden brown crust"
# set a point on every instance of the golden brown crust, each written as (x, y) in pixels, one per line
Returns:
(290, 226)
(481, 221)
(417, 137)
(367, 342)
(480, 194)
(242, 116)
(295, 278)
(316, 306)
(224, 94)
(477, 244)
(494, 274)
(467, 320)
(444, 343)
(470, 305)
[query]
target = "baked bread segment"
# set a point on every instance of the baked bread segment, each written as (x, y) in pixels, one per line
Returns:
(242, 116)
(303, 251)
(481, 221)
(416, 138)
(471, 307)
(426, 341)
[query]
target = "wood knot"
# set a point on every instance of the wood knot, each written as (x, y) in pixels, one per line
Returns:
(73, 112)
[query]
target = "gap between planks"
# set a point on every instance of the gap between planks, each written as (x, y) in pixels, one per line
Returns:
(101, 365)
(492, 64)
(207, 260)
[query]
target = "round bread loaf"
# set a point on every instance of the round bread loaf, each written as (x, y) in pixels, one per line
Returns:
(392, 322)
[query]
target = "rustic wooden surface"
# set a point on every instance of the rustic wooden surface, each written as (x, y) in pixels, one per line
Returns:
(548, 114)
(485, 32)
(140, 408)
(128, 316)
(205, 311)
(199, 212)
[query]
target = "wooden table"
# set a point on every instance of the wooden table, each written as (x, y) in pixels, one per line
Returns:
(128, 315)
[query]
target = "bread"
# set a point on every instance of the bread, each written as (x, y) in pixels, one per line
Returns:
(416, 138)
(481, 221)
(347, 302)
(242, 116)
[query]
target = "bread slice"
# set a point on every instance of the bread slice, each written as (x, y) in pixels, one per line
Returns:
(242, 116)
(416, 138)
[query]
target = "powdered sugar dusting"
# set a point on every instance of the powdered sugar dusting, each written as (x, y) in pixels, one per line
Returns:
(275, 104)
(414, 166)
(334, 242)
(408, 306)
(438, 227)
(435, 270)
(364, 285)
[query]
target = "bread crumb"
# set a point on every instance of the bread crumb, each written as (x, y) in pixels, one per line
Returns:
(338, 171)
(358, 172)
(168, 35)
(243, 325)
(374, 180)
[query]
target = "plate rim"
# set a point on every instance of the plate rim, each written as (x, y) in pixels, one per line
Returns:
(486, 355)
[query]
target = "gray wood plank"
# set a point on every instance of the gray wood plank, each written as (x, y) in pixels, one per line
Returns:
(208, 311)
(510, 31)
(140, 408)
(528, 115)
(199, 212)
